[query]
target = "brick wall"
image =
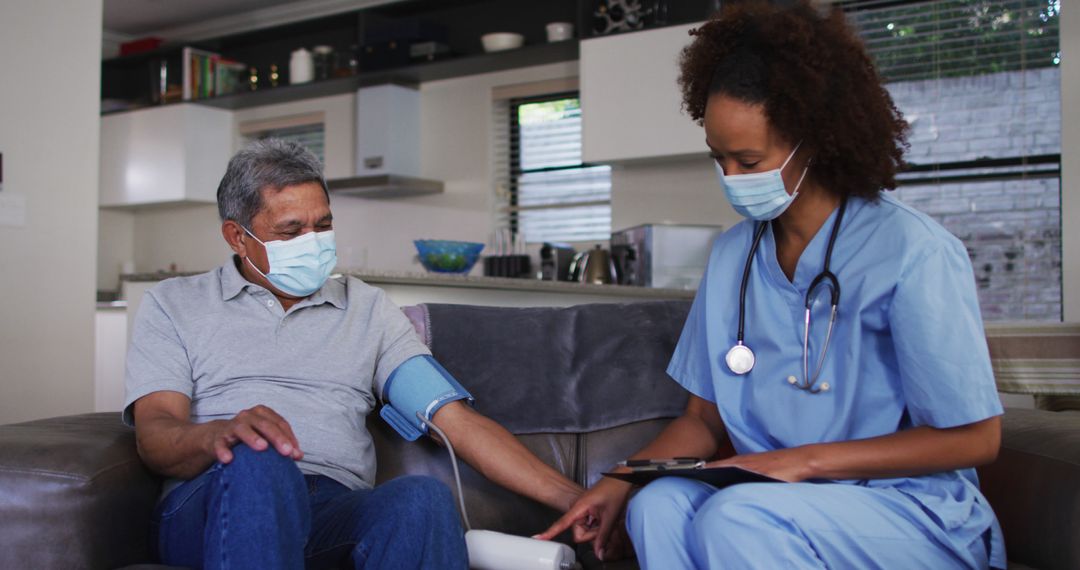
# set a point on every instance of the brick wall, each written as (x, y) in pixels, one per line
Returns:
(1012, 229)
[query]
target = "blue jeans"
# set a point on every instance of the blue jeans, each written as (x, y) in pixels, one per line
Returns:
(260, 511)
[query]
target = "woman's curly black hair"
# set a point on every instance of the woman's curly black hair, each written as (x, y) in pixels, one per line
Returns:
(816, 82)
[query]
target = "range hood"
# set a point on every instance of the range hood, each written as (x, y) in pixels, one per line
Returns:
(387, 146)
(383, 186)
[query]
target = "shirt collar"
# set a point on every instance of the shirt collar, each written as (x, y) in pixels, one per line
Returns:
(233, 282)
(333, 292)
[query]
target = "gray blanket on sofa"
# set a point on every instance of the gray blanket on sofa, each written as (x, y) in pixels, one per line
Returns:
(562, 370)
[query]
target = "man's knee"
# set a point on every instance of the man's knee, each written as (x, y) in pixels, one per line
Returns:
(267, 467)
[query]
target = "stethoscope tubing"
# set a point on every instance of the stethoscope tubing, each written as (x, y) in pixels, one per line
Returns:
(809, 383)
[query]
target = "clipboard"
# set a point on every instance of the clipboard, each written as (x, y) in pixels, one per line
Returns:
(718, 477)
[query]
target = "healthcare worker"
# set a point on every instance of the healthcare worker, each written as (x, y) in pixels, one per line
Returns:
(875, 405)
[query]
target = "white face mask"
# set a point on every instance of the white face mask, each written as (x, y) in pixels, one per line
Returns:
(301, 265)
(760, 195)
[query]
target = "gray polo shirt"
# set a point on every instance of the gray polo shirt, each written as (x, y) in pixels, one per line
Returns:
(227, 344)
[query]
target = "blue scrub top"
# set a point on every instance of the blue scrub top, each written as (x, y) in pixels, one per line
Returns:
(908, 348)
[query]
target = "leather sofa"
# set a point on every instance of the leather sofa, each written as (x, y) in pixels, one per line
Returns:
(582, 387)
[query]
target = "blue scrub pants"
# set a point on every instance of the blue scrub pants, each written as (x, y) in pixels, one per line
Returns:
(260, 511)
(681, 523)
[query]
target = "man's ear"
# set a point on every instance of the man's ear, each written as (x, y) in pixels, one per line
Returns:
(234, 235)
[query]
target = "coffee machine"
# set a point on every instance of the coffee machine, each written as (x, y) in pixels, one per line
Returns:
(662, 255)
(555, 259)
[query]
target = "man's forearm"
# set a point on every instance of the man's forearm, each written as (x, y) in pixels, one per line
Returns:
(175, 448)
(499, 456)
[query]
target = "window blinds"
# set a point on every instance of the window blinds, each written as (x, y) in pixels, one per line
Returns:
(311, 137)
(957, 38)
(979, 84)
(543, 190)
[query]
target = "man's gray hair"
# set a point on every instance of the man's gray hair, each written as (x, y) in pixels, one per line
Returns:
(268, 163)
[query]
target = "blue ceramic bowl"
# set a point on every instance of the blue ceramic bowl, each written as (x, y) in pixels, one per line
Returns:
(447, 256)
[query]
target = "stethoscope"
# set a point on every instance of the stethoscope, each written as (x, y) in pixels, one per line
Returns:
(740, 359)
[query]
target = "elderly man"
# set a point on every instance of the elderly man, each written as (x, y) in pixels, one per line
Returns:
(248, 387)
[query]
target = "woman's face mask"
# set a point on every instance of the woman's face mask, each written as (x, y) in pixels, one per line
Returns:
(299, 266)
(760, 195)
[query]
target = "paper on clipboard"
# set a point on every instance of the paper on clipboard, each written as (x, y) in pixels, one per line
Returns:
(716, 476)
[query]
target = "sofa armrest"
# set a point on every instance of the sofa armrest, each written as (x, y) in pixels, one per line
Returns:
(1034, 487)
(73, 494)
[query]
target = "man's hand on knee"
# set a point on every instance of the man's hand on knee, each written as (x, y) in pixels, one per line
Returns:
(259, 427)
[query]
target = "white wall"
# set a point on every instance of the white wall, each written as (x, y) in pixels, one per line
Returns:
(49, 107)
(1070, 161)
(185, 238)
(683, 191)
(116, 246)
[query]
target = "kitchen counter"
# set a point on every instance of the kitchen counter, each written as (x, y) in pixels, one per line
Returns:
(398, 279)
(524, 285)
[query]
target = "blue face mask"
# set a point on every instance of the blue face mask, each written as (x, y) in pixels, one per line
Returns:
(760, 195)
(301, 265)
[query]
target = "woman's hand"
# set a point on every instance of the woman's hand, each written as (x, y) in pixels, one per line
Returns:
(594, 517)
(791, 465)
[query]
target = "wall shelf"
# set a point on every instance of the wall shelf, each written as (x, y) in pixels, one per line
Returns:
(378, 38)
(412, 75)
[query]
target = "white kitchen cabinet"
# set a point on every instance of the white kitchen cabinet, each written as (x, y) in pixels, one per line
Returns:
(631, 106)
(175, 154)
(110, 354)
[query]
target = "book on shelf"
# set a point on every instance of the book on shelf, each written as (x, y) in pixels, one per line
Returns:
(208, 74)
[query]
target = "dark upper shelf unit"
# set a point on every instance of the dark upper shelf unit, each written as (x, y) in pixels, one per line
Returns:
(411, 75)
(456, 23)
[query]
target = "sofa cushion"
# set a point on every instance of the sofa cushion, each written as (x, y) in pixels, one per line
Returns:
(1034, 487)
(602, 449)
(73, 494)
(563, 370)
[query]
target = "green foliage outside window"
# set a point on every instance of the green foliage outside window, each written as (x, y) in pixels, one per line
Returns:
(953, 38)
(548, 111)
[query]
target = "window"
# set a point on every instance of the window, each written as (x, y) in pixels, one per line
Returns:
(980, 85)
(552, 195)
(306, 130)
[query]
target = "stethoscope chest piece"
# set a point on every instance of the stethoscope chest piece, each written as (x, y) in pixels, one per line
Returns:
(740, 359)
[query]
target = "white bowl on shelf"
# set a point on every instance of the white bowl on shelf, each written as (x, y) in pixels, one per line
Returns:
(501, 41)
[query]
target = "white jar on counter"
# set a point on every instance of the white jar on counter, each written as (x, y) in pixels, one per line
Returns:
(301, 66)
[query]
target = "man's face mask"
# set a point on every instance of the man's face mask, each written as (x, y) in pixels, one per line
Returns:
(761, 195)
(299, 266)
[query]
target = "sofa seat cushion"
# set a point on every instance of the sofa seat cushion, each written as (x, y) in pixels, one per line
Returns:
(1033, 487)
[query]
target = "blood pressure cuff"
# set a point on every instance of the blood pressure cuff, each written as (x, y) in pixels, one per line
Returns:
(422, 385)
